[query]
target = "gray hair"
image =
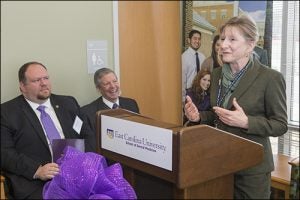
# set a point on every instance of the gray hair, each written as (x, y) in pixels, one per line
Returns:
(246, 24)
(100, 73)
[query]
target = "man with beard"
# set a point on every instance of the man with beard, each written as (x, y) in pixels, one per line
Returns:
(106, 82)
(26, 152)
(191, 61)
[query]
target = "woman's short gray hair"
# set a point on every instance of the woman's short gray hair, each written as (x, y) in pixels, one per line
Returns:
(246, 24)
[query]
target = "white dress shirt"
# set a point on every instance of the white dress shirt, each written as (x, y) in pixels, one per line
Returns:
(189, 71)
(109, 103)
(49, 109)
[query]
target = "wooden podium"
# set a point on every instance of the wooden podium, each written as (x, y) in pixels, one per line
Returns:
(204, 160)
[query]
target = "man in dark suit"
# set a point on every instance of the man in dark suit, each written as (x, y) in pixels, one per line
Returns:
(106, 82)
(26, 153)
(108, 85)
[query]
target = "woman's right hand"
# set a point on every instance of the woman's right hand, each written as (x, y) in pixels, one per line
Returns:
(191, 111)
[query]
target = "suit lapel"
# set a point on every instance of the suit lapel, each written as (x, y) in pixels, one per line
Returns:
(35, 122)
(59, 111)
(215, 86)
(121, 103)
(244, 84)
(101, 105)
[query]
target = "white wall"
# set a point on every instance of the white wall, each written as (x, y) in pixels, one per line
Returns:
(55, 34)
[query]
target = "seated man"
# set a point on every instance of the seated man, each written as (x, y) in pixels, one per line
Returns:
(29, 123)
(108, 85)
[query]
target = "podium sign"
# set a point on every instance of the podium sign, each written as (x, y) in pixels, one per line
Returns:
(150, 144)
(204, 158)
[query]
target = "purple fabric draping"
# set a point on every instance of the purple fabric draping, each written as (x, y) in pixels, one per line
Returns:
(87, 176)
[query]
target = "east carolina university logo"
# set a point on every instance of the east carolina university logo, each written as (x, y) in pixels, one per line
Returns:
(110, 133)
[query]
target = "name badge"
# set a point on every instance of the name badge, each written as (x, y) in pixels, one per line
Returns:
(77, 124)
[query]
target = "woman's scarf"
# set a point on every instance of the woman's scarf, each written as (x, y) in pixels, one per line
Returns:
(228, 78)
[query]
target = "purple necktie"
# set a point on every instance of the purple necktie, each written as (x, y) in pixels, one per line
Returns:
(48, 125)
(115, 106)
